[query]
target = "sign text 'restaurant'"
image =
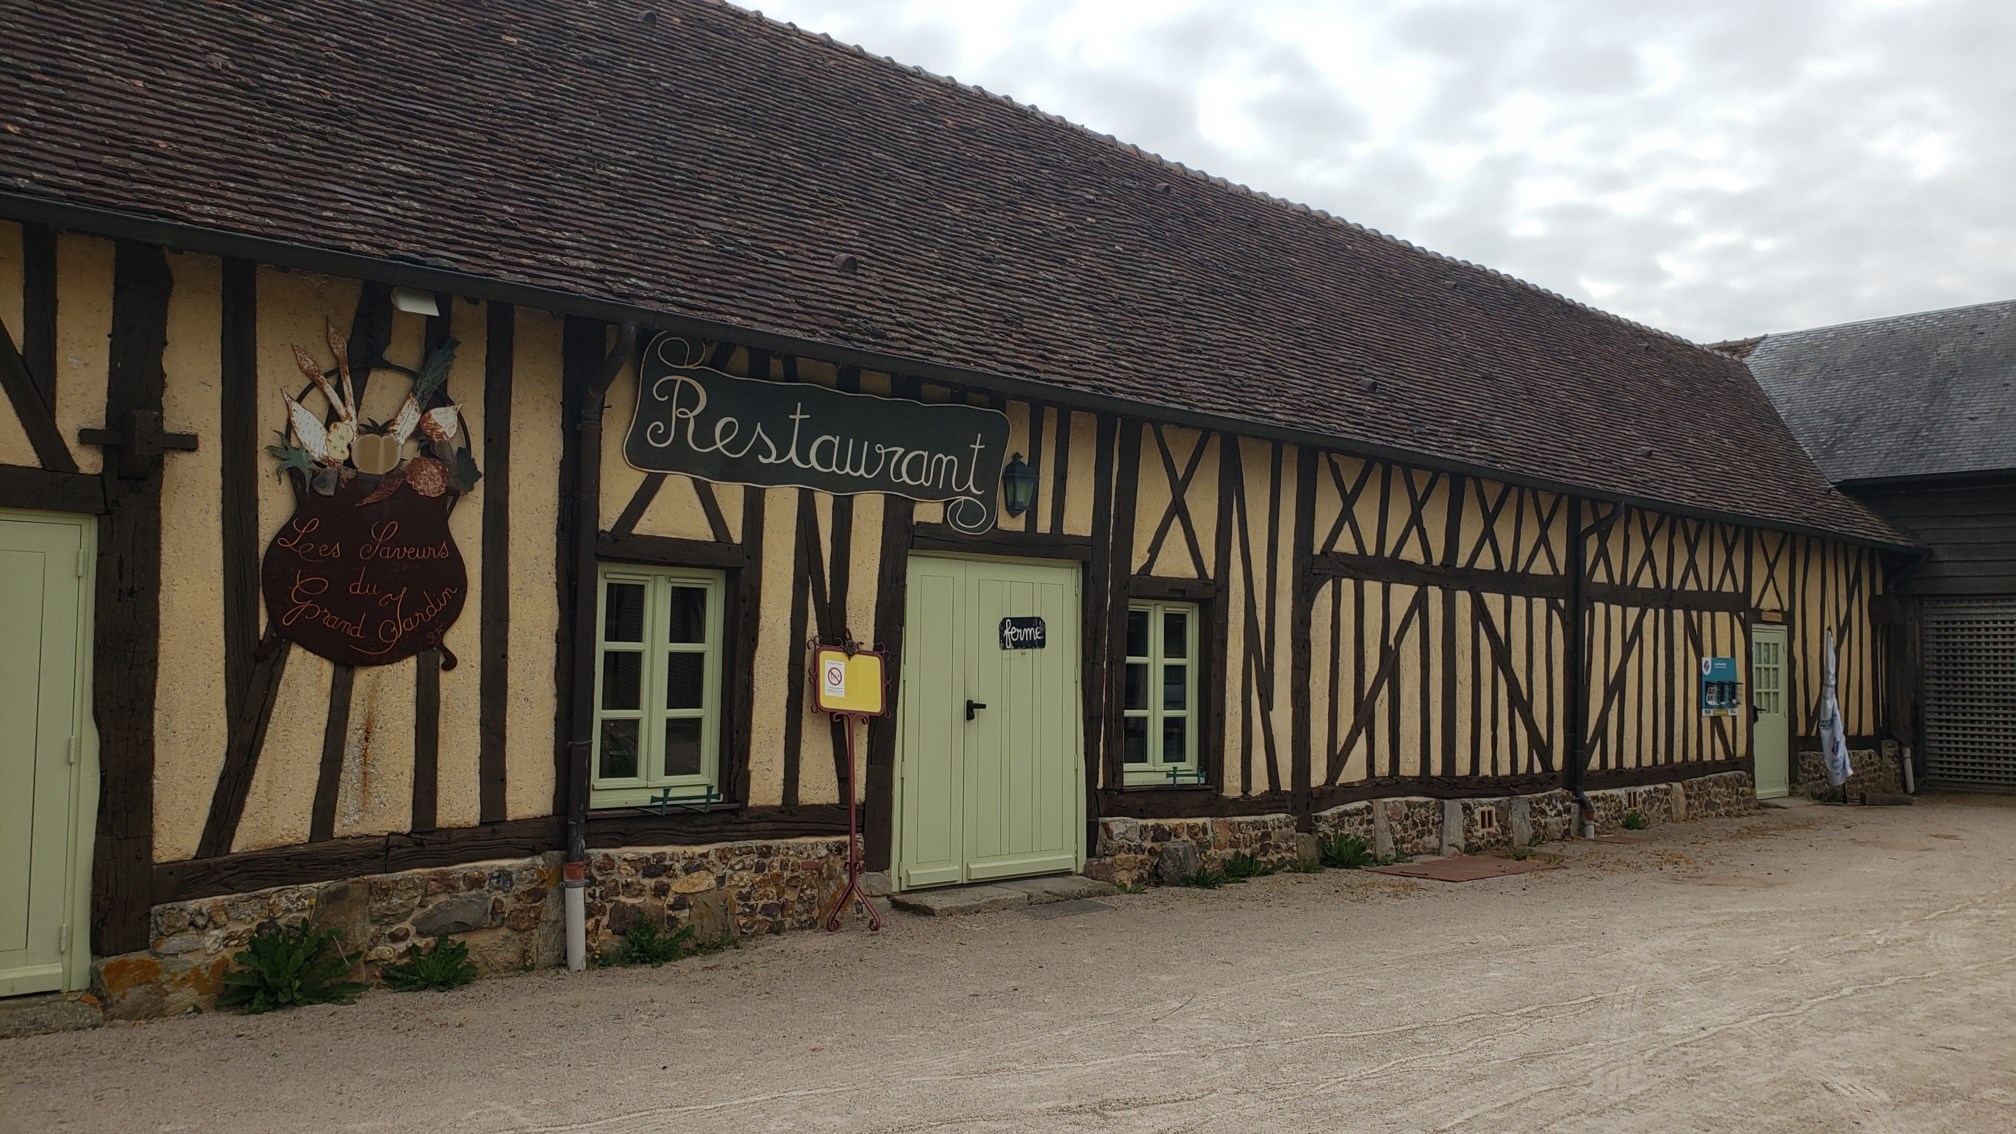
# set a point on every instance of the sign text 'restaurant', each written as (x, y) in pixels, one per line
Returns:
(714, 426)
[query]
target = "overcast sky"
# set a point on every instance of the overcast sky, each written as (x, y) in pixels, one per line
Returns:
(1716, 168)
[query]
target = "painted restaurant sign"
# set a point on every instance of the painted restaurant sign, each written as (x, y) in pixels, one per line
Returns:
(704, 423)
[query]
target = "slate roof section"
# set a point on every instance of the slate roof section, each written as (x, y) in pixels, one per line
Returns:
(697, 159)
(1930, 394)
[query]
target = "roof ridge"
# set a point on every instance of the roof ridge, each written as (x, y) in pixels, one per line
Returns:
(2010, 303)
(1208, 178)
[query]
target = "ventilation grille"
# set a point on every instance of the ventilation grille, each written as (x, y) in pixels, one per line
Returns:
(1970, 693)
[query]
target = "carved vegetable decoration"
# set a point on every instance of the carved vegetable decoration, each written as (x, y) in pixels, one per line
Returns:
(366, 572)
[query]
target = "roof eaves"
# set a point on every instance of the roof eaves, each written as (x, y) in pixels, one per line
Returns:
(410, 271)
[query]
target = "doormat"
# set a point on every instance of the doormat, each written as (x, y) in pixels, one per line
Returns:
(1067, 909)
(1466, 868)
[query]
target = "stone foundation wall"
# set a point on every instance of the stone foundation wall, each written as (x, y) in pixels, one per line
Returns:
(1871, 770)
(1726, 793)
(510, 914)
(726, 890)
(1130, 850)
(1718, 796)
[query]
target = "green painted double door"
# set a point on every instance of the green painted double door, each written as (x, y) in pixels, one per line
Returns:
(990, 778)
(44, 809)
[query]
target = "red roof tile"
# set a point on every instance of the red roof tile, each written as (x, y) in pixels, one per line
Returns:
(695, 159)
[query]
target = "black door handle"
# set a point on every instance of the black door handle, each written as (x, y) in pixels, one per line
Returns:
(971, 706)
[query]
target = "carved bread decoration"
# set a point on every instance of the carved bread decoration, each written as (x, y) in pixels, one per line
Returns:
(315, 375)
(327, 455)
(341, 350)
(387, 485)
(338, 439)
(428, 476)
(307, 429)
(441, 424)
(374, 453)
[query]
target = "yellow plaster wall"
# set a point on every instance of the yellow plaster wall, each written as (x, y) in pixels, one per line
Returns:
(14, 446)
(1156, 497)
(775, 652)
(190, 726)
(83, 340)
(536, 434)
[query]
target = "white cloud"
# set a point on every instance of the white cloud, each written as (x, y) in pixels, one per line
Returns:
(1717, 167)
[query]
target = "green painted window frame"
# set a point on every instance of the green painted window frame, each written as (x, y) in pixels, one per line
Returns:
(1156, 711)
(652, 711)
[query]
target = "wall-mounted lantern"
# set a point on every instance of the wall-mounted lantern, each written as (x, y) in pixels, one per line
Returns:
(1018, 486)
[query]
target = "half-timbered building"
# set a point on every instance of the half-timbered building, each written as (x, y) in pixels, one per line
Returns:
(431, 439)
(1942, 468)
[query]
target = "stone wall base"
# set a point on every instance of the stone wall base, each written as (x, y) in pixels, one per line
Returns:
(1879, 770)
(509, 913)
(1130, 851)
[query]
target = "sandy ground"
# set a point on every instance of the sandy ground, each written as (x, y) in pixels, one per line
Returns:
(1812, 969)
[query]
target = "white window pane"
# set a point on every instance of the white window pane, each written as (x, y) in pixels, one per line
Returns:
(685, 681)
(619, 750)
(1134, 687)
(1137, 633)
(1175, 740)
(623, 612)
(1134, 740)
(622, 679)
(683, 756)
(686, 615)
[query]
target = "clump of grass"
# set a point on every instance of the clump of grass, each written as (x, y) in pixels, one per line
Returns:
(286, 966)
(646, 944)
(1634, 820)
(1241, 866)
(1394, 859)
(443, 965)
(1304, 866)
(1345, 852)
(1205, 878)
(1519, 854)
(1130, 887)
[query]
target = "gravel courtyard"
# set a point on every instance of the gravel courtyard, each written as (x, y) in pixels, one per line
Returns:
(1817, 968)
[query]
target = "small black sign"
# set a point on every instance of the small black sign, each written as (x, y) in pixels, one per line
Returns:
(1023, 633)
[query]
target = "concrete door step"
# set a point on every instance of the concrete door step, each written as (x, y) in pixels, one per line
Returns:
(1787, 801)
(985, 897)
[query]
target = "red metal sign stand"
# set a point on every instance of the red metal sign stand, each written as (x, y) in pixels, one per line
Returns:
(853, 889)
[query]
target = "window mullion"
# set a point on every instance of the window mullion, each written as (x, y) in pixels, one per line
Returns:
(1156, 757)
(651, 742)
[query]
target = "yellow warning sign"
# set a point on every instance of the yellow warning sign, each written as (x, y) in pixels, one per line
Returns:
(852, 684)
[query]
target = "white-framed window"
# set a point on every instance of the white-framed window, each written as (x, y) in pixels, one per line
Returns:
(657, 684)
(1158, 701)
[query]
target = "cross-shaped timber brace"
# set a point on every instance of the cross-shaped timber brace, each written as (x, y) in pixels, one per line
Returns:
(140, 440)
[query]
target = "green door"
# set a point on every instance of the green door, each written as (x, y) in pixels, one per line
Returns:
(991, 783)
(43, 747)
(1770, 742)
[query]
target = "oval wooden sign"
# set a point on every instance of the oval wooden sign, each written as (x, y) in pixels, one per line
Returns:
(365, 585)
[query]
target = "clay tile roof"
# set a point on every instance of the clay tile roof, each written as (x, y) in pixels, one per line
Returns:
(699, 160)
(1930, 394)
